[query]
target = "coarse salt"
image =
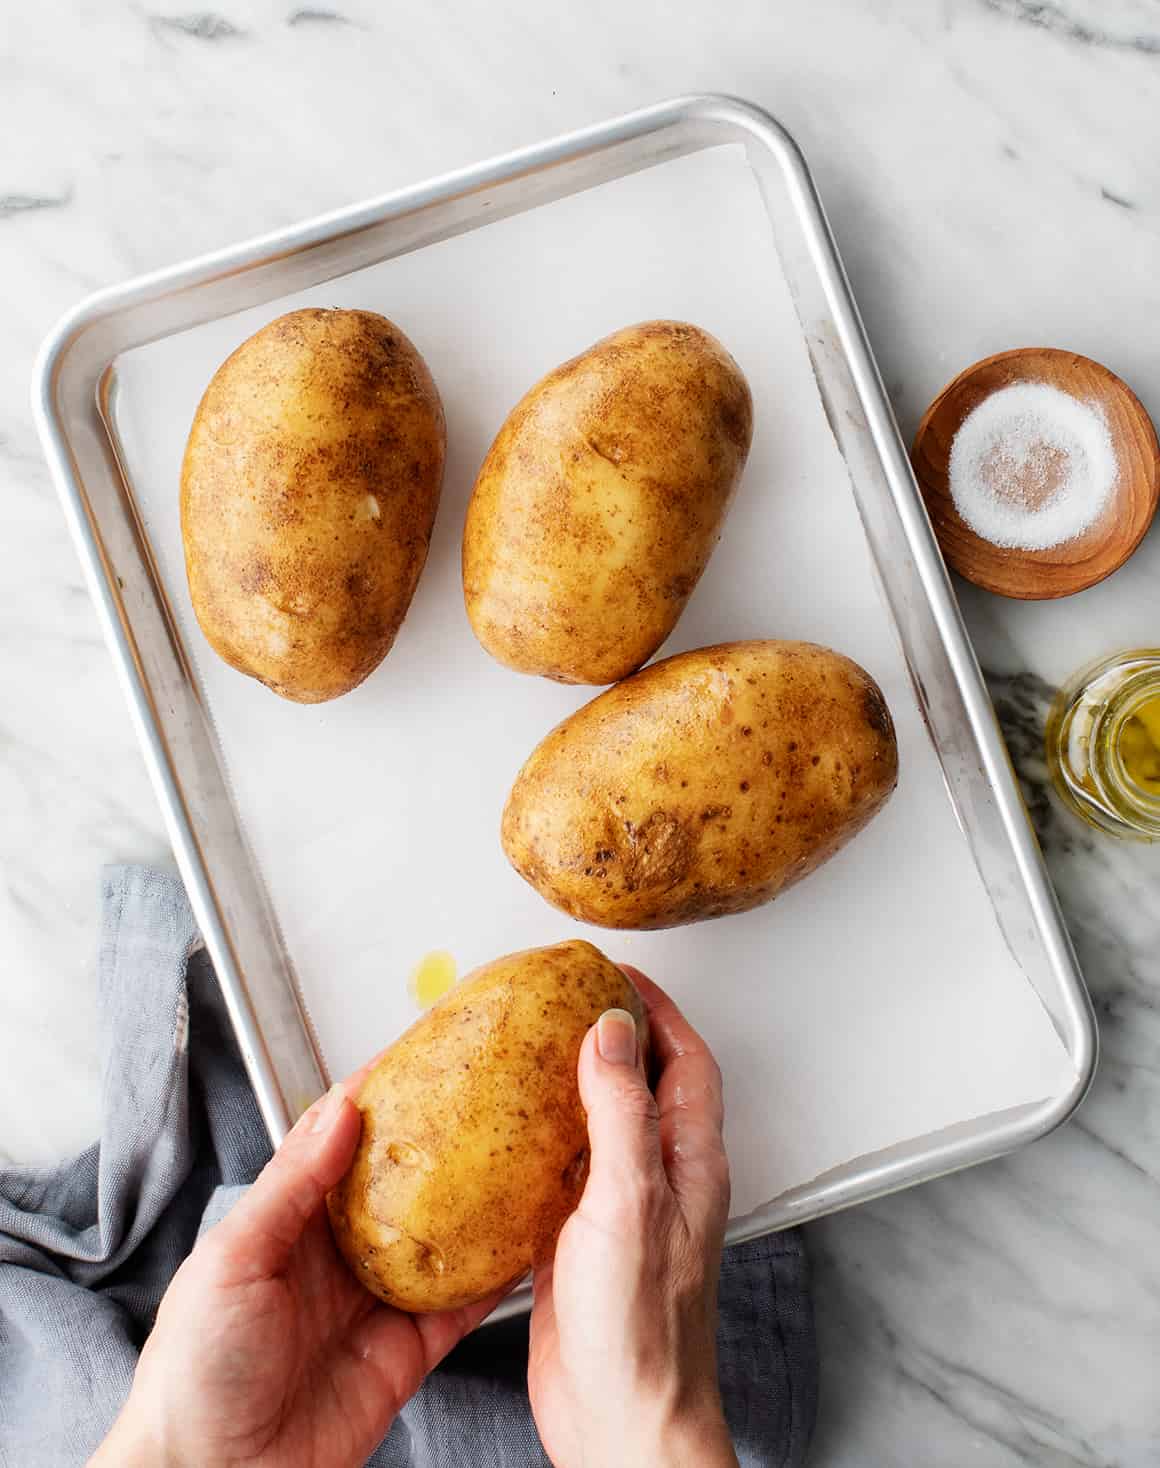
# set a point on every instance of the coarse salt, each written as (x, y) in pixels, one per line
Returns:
(1032, 467)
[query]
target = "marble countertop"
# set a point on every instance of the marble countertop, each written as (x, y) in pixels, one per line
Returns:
(989, 167)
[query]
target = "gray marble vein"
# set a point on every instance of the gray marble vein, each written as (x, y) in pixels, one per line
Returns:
(313, 15)
(989, 167)
(1086, 23)
(204, 25)
(11, 204)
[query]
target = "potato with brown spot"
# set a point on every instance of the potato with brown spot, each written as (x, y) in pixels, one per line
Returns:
(474, 1146)
(774, 755)
(601, 500)
(309, 490)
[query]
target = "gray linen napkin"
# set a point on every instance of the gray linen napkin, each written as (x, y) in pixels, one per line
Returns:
(87, 1248)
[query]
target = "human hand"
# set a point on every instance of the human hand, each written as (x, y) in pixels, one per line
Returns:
(622, 1366)
(266, 1350)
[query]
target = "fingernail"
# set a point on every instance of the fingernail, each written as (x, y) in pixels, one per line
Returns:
(616, 1037)
(325, 1112)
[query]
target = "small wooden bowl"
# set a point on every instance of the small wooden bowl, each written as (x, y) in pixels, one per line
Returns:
(1037, 575)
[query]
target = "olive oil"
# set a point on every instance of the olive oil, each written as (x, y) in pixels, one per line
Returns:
(1140, 745)
(1103, 744)
(432, 977)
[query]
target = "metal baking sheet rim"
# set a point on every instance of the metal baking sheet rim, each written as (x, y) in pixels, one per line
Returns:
(736, 119)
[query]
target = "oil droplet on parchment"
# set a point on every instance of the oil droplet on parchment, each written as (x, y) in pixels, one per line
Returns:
(432, 977)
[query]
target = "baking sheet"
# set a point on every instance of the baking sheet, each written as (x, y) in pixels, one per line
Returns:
(875, 1003)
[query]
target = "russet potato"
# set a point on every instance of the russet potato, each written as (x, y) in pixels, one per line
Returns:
(308, 493)
(705, 784)
(601, 500)
(474, 1146)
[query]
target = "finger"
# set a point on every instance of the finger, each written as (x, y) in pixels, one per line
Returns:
(623, 1137)
(256, 1237)
(688, 1075)
(542, 1325)
(690, 1103)
(442, 1332)
(396, 1351)
(404, 1348)
(542, 1278)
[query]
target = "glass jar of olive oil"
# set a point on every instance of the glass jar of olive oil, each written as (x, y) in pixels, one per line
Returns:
(1103, 744)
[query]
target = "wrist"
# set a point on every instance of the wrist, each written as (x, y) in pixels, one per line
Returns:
(130, 1444)
(696, 1440)
(692, 1434)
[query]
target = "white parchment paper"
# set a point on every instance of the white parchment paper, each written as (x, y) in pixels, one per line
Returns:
(874, 1003)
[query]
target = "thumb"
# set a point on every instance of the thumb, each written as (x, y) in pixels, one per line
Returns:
(258, 1234)
(623, 1126)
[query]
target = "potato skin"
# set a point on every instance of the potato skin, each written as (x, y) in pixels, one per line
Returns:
(474, 1146)
(704, 785)
(309, 489)
(601, 500)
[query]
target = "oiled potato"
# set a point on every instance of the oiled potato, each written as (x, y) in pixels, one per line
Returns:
(474, 1145)
(308, 492)
(706, 784)
(600, 502)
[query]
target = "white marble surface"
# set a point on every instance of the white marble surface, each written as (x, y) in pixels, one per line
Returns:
(990, 170)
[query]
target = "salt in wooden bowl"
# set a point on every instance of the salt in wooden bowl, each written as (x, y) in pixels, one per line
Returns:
(1104, 546)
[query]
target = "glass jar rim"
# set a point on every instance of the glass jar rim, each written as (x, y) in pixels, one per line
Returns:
(1133, 804)
(1096, 786)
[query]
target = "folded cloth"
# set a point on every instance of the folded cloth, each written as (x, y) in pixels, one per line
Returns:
(87, 1248)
